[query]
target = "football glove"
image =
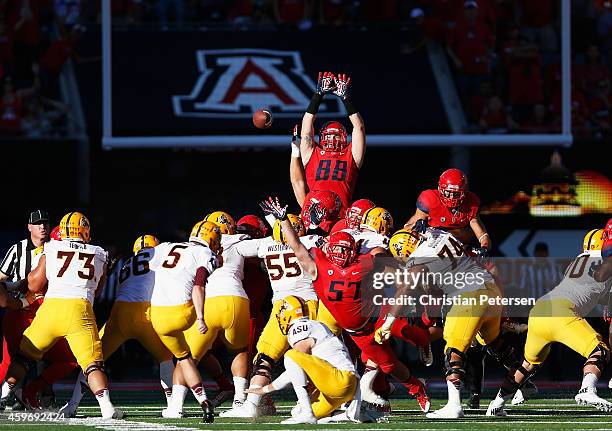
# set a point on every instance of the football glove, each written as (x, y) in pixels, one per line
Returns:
(382, 334)
(480, 252)
(421, 225)
(317, 214)
(342, 85)
(295, 141)
(274, 208)
(325, 83)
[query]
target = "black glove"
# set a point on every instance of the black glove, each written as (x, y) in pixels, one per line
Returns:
(273, 207)
(342, 85)
(317, 214)
(480, 251)
(421, 225)
(325, 83)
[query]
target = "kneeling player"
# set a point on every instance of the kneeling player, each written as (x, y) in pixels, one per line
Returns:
(556, 318)
(316, 355)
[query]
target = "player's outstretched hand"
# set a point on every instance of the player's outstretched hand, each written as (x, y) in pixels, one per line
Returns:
(325, 83)
(342, 82)
(420, 226)
(255, 390)
(382, 334)
(273, 207)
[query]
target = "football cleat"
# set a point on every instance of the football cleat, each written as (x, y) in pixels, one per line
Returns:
(113, 413)
(421, 397)
(474, 401)
(172, 414)
(208, 415)
(589, 397)
(68, 410)
(75, 226)
(453, 185)
(426, 355)
(303, 418)
(223, 396)
(493, 410)
(247, 410)
(446, 412)
(528, 391)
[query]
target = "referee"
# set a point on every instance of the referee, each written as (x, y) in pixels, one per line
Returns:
(16, 266)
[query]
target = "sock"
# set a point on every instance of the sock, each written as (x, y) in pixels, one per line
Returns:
(166, 369)
(177, 399)
(367, 380)
(454, 392)
(252, 398)
(589, 380)
(240, 384)
(6, 390)
(299, 382)
(103, 397)
(199, 393)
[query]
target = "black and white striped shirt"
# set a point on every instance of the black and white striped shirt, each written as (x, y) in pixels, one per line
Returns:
(17, 263)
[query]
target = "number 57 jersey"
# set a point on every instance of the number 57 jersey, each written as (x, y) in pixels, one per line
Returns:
(73, 269)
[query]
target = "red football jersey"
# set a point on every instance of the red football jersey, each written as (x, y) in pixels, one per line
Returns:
(256, 284)
(333, 171)
(340, 289)
(340, 225)
(442, 216)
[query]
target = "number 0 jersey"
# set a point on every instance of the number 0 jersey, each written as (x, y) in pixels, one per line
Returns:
(73, 269)
(136, 280)
(450, 268)
(175, 266)
(285, 273)
(579, 287)
(327, 346)
(337, 172)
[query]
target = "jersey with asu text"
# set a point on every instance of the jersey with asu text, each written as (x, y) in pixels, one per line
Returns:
(227, 280)
(578, 285)
(175, 265)
(448, 265)
(340, 289)
(443, 217)
(326, 345)
(136, 280)
(285, 273)
(73, 269)
(333, 171)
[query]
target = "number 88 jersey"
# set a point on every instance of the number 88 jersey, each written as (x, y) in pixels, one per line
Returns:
(136, 280)
(73, 269)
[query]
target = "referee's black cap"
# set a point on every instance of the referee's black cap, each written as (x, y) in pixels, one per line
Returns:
(38, 216)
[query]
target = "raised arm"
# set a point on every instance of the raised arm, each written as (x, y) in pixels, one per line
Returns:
(296, 169)
(325, 84)
(273, 207)
(342, 83)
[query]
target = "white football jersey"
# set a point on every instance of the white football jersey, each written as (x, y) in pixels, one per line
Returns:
(175, 265)
(578, 285)
(284, 271)
(327, 346)
(369, 239)
(450, 268)
(73, 269)
(136, 280)
(227, 280)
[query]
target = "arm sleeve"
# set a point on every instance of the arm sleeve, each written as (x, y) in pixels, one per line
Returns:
(8, 263)
(299, 331)
(200, 277)
(248, 248)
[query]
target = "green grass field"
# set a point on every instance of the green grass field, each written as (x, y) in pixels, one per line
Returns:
(552, 410)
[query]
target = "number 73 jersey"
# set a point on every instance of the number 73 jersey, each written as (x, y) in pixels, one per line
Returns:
(73, 269)
(448, 265)
(286, 275)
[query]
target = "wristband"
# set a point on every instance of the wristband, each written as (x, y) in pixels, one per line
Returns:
(295, 150)
(350, 108)
(315, 101)
(388, 322)
(266, 389)
(482, 236)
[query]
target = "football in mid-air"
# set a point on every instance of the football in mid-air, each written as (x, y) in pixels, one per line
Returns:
(262, 119)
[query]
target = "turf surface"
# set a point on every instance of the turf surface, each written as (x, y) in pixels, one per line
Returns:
(550, 411)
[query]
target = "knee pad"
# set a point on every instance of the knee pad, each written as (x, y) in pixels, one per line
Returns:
(96, 366)
(504, 353)
(454, 367)
(262, 366)
(601, 360)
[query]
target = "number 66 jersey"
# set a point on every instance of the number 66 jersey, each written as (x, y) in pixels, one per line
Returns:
(82, 283)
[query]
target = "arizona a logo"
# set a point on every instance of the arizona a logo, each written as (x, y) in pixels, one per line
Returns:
(234, 83)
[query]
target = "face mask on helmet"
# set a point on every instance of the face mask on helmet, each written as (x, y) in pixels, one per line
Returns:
(253, 226)
(298, 227)
(341, 249)
(354, 214)
(452, 187)
(75, 226)
(291, 309)
(333, 137)
(403, 243)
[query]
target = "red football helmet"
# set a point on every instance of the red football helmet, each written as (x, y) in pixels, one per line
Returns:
(326, 200)
(341, 248)
(452, 187)
(252, 225)
(607, 234)
(333, 137)
(55, 234)
(356, 211)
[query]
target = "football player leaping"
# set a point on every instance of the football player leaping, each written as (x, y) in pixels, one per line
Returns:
(338, 271)
(557, 318)
(74, 271)
(130, 319)
(177, 303)
(316, 355)
(334, 163)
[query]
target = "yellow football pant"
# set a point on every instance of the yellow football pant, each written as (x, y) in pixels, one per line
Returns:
(70, 318)
(228, 315)
(272, 342)
(132, 321)
(325, 317)
(554, 321)
(464, 322)
(335, 387)
(169, 322)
